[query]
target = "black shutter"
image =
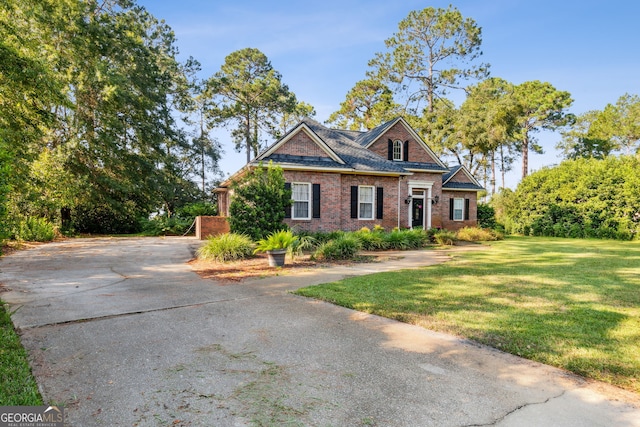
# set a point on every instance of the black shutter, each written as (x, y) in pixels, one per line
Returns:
(390, 150)
(354, 201)
(406, 151)
(451, 209)
(316, 200)
(379, 202)
(287, 209)
(467, 202)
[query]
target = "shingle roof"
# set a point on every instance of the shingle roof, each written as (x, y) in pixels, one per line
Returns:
(451, 185)
(349, 146)
(423, 166)
(462, 186)
(354, 155)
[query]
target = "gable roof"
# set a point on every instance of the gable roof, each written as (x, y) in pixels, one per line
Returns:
(369, 138)
(448, 184)
(344, 152)
(348, 152)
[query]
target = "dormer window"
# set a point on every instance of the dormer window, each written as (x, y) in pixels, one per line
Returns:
(397, 151)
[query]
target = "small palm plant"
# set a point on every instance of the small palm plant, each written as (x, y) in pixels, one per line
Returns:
(276, 245)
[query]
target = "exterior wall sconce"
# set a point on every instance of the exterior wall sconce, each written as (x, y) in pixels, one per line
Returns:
(407, 200)
(435, 200)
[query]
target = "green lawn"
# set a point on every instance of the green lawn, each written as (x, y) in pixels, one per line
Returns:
(17, 385)
(570, 303)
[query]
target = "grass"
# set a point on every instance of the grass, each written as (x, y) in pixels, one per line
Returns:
(570, 303)
(17, 385)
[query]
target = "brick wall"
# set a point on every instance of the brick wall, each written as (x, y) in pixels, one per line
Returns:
(211, 226)
(417, 152)
(301, 144)
(473, 209)
(335, 201)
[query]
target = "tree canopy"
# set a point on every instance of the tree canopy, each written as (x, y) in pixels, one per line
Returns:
(251, 93)
(434, 48)
(578, 198)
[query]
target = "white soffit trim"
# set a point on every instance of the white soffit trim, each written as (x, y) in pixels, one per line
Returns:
(311, 134)
(420, 184)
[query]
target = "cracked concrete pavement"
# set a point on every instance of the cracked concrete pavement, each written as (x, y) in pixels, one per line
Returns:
(122, 332)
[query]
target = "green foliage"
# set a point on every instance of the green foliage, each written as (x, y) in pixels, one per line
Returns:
(35, 230)
(367, 105)
(406, 239)
(226, 247)
(17, 385)
(444, 237)
(344, 247)
(431, 49)
(476, 234)
(578, 198)
(89, 92)
(486, 216)
(283, 239)
(371, 241)
(163, 225)
(573, 304)
(107, 218)
(250, 92)
(539, 105)
(192, 210)
(179, 223)
(258, 202)
(304, 242)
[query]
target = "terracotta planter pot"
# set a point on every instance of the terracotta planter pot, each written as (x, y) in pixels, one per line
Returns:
(276, 257)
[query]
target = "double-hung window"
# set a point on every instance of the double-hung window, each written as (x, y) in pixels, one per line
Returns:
(301, 195)
(397, 151)
(365, 202)
(458, 209)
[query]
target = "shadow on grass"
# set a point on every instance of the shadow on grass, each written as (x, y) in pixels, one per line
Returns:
(574, 304)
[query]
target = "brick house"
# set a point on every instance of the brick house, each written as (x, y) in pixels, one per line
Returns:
(346, 180)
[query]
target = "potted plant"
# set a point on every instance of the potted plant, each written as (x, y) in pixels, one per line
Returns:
(276, 246)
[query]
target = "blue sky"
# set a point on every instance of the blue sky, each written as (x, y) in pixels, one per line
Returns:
(588, 48)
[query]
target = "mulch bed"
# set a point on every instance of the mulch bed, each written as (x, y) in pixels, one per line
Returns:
(258, 267)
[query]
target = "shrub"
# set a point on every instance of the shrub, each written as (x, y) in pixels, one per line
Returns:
(444, 237)
(161, 225)
(406, 239)
(476, 234)
(35, 230)
(258, 204)
(341, 248)
(371, 241)
(304, 242)
(416, 238)
(486, 216)
(226, 247)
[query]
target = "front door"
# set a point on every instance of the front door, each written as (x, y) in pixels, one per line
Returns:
(417, 213)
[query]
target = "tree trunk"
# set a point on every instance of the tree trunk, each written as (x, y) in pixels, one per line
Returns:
(525, 155)
(493, 173)
(247, 135)
(502, 163)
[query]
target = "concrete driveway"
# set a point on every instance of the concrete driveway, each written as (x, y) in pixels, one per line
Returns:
(123, 333)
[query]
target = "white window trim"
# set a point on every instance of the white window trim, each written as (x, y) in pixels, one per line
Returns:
(293, 210)
(373, 202)
(461, 209)
(401, 145)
